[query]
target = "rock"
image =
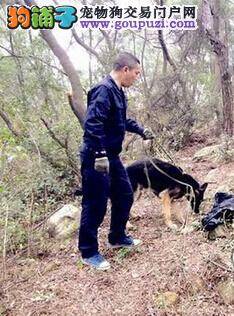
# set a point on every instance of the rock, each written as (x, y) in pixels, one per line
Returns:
(226, 291)
(220, 181)
(166, 299)
(227, 187)
(208, 153)
(27, 262)
(3, 309)
(214, 153)
(64, 223)
(212, 175)
(51, 267)
(188, 229)
(27, 272)
(196, 284)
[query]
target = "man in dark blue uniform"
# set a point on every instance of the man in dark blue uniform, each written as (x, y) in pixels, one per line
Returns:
(103, 174)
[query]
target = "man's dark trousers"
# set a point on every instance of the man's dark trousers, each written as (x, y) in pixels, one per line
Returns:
(97, 188)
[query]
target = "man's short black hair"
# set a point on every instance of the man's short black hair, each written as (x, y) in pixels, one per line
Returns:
(125, 59)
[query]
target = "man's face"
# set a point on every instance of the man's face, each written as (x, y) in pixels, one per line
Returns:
(130, 75)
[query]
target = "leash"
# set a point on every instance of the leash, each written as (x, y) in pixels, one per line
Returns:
(161, 150)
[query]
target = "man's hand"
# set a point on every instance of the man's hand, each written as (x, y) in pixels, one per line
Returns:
(102, 164)
(148, 134)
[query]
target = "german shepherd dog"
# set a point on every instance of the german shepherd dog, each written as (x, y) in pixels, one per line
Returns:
(169, 180)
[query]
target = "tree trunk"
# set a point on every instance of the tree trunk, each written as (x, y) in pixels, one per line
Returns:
(210, 23)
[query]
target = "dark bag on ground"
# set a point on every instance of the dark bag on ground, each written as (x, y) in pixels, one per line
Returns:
(221, 212)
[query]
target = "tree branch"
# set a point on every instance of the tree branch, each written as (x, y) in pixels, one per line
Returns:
(86, 47)
(63, 145)
(12, 54)
(9, 124)
(52, 134)
(165, 50)
(107, 38)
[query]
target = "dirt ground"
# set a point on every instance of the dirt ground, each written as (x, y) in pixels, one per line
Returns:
(56, 283)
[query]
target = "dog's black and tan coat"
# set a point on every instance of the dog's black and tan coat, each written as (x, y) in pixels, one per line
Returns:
(159, 175)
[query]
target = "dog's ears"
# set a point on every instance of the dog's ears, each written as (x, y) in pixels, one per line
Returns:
(203, 186)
